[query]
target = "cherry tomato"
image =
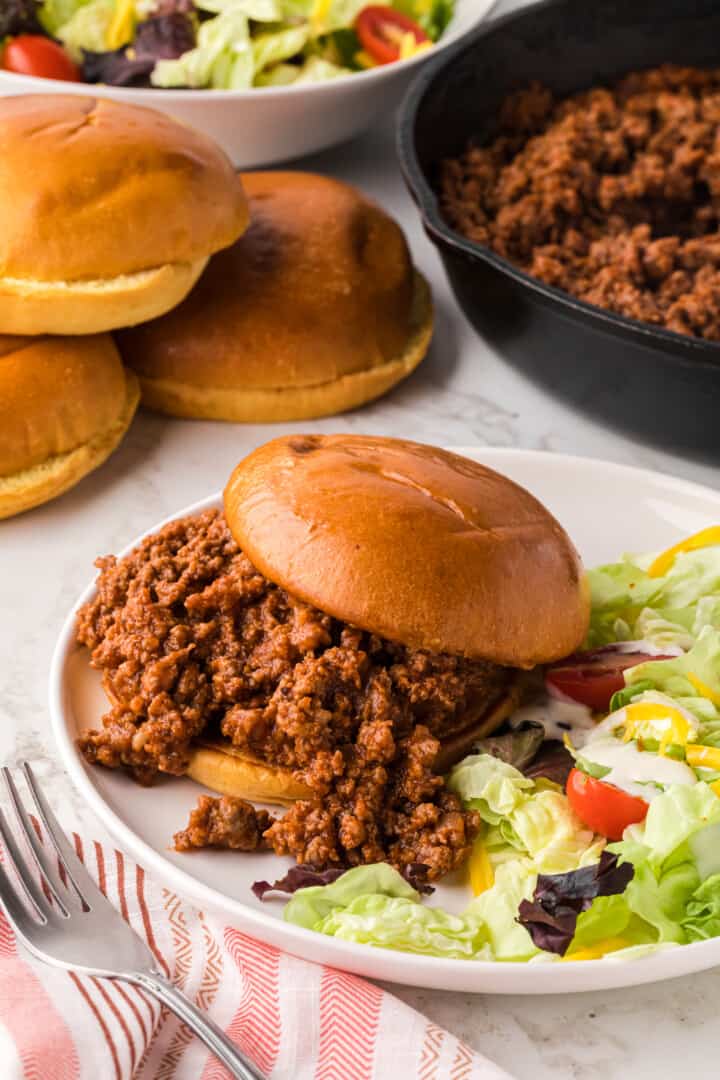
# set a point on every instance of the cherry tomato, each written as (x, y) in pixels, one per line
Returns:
(381, 30)
(603, 807)
(593, 677)
(31, 54)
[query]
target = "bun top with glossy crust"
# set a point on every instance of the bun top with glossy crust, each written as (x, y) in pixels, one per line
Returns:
(320, 286)
(56, 393)
(412, 543)
(94, 189)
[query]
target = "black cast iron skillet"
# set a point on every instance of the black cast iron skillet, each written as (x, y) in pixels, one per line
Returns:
(656, 384)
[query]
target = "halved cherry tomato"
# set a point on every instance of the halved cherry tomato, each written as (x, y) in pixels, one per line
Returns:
(31, 54)
(592, 678)
(381, 30)
(603, 807)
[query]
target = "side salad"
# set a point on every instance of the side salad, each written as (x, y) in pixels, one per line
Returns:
(213, 44)
(604, 844)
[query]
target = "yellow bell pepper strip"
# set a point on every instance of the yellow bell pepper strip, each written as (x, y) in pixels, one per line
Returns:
(482, 875)
(599, 949)
(702, 689)
(122, 26)
(643, 711)
(705, 538)
(702, 757)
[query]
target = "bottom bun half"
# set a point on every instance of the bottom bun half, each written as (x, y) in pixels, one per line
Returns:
(31, 487)
(270, 405)
(94, 306)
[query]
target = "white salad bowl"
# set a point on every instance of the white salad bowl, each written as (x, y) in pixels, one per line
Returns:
(265, 125)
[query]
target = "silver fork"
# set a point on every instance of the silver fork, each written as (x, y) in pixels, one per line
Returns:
(80, 930)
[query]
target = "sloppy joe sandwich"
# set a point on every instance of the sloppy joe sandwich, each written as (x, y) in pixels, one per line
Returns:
(315, 310)
(361, 613)
(109, 213)
(65, 404)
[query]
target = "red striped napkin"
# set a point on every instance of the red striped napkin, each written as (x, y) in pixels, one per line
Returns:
(298, 1021)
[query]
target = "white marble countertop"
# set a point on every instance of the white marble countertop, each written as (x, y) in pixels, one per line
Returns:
(463, 394)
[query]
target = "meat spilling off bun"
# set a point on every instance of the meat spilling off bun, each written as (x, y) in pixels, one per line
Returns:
(315, 310)
(65, 404)
(412, 543)
(109, 213)
(220, 766)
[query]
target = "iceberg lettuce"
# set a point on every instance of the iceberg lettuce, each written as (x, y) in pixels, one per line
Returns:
(221, 60)
(525, 819)
(628, 605)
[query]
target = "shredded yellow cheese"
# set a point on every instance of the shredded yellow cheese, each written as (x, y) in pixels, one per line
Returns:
(704, 538)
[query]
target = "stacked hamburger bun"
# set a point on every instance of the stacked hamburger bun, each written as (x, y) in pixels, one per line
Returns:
(314, 310)
(117, 218)
(110, 213)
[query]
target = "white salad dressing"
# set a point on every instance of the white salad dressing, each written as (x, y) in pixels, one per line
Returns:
(655, 727)
(636, 771)
(561, 716)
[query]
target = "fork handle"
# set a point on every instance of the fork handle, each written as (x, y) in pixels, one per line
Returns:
(199, 1023)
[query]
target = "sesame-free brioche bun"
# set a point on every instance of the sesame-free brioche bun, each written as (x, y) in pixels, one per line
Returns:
(65, 404)
(108, 213)
(315, 310)
(412, 543)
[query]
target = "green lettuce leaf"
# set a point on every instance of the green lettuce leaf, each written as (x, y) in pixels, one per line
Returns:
(670, 677)
(525, 820)
(610, 917)
(702, 913)
(222, 59)
(432, 15)
(56, 13)
(273, 47)
(669, 610)
(374, 905)
(316, 70)
(667, 853)
(87, 28)
(258, 10)
(497, 911)
(491, 786)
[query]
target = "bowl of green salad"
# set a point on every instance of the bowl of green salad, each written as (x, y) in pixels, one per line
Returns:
(270, 80)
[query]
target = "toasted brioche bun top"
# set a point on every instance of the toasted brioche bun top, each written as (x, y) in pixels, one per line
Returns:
(412, 543)
(55, 395)
(94, 189)
(320, 286)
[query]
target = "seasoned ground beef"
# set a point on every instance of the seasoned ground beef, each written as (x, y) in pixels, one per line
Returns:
(612, 194)
(192, 639)
(225, 823)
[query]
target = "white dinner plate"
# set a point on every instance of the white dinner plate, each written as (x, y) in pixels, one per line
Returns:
(607, 509)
